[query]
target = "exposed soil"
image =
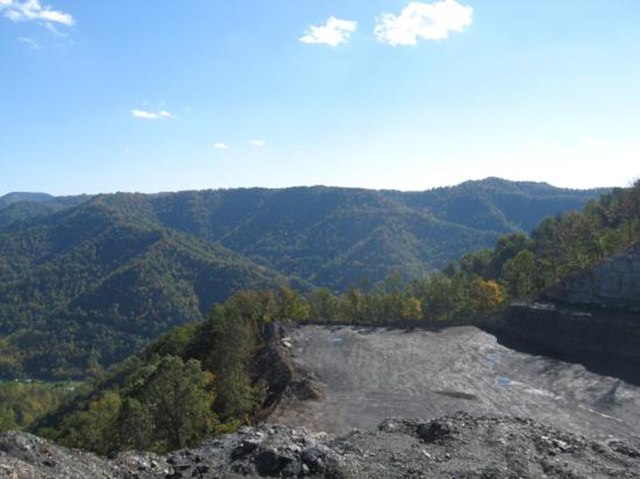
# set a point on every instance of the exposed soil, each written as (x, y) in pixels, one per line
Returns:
(372, 374)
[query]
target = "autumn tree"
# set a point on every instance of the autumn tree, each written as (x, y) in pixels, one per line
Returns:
(486, 296)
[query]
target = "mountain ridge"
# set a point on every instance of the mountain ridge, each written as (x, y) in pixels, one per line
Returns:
(99, 276)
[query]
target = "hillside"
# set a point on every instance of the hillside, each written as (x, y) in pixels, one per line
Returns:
(85, 288)
(334, 237)
(85, 281)
(19, 207)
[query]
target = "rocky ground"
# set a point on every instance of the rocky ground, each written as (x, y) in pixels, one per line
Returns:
(459, 446)
(347, 380)
(370, 374)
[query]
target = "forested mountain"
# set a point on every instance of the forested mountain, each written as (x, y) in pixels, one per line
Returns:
(336, 236)
(86, 280)
(16, 207)
(17, 197)
(85, 287)
(500, 205)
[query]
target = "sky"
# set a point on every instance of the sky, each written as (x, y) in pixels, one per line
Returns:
(168, 95)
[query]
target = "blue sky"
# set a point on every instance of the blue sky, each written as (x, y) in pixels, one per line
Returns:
(165, 95)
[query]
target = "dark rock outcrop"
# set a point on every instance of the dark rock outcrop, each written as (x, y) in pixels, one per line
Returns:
(283, 377)
(460, 446)
(559, 330)
(592, 316)
(612, 285)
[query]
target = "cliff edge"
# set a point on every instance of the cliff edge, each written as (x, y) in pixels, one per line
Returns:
(592, 317)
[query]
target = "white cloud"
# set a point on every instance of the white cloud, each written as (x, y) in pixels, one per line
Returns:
(150, 115)
(221, 146)
(333, 33)
(32, 10)
(144, 115)
(427, 21)
(257, 143)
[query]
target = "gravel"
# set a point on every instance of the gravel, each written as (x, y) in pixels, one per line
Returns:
(372, 374)
(458, 446)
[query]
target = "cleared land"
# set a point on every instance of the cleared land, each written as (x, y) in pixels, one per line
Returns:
(373, 374)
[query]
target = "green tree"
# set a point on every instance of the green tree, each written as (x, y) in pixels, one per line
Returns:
(521, 274)
(323, 306)
(178, 399)
(136, 426)
(232, 338)
(290, 305)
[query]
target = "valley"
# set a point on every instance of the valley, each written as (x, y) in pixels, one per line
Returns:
(319, 239)
(86, 281)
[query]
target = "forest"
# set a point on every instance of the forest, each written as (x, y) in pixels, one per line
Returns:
(86, 281)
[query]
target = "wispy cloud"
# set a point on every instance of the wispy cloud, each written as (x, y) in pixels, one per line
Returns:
(221, 146)
(257, 143)
(150, 115)
(426, 21)
(30, 42)
(145, 115)
(33, 10)
(332, 33)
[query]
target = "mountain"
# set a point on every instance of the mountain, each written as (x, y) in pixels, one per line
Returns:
(85, 287)
(336, 236)
(17, 197)
(84, 281)
(16, 207)
(498, 204)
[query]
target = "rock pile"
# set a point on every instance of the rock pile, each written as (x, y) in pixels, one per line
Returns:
(460, 446)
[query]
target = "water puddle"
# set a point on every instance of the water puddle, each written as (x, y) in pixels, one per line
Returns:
(493, 358)
(503, 382)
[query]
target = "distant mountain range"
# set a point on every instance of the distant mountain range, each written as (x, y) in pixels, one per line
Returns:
(86, 280)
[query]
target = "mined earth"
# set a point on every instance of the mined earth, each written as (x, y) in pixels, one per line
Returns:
(461, 446)
(525, 416)
(372, 374)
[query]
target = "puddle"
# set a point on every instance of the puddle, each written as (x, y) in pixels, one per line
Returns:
(493, 358)
(503, 382)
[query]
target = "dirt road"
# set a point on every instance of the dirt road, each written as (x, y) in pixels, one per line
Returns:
(373, 374)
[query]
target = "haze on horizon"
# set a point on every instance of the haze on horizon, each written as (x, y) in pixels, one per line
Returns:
(388, 94)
